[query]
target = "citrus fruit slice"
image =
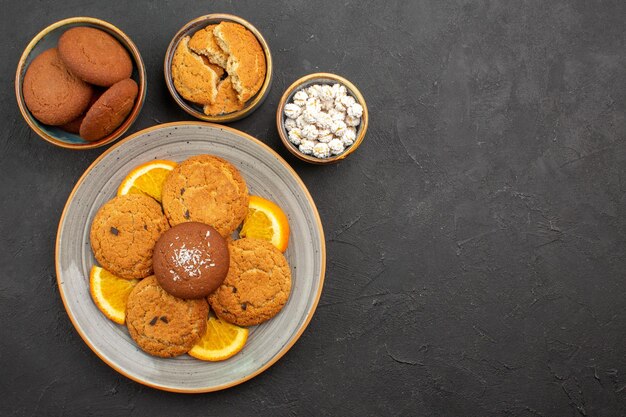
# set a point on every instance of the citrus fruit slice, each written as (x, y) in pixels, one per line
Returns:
(265, 220)
(110, 293)
(147, 179)
(221, 341)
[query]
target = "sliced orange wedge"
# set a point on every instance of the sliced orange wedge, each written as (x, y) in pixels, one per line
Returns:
(110, 293)
(221, 341)
(147, 179)
(265, 220)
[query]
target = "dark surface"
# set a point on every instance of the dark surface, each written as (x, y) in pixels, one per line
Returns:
(476, 240)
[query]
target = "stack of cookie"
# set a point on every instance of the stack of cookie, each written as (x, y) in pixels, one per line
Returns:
(187, 244)
(220, 67)
(83, 85)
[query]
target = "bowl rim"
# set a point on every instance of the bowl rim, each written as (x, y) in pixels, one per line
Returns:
(253, 103)
(282, 132)
(138, 62)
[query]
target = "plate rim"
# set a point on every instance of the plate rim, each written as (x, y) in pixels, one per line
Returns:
(285, 349)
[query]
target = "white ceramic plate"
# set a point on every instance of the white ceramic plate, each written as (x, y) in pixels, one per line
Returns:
(267, 175)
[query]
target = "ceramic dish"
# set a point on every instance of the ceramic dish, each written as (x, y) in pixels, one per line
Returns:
(196, 110)
(48, 38)
(320, 78)
(267, 175)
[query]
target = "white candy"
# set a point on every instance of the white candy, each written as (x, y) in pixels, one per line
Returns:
(295, 136)
(328, 105)
(325, 136)
(300, 98)
(336, 146)
(292, 111)
(290, 124)
(314, 105)
(336, 114)
(326, 93)
(339, 105)
(348, 136)
(347, 101)
(314, 90)
(323, 120)
(321, 150)
(339, 90)
(310, 116)
(306, 146)
(300, 122)
(338, 128)
(353, 121)
(355, 110)
(310, 132)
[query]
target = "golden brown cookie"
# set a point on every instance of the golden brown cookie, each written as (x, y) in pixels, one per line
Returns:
(203, 42)
(123, 234)
(257, 285)
(218, 70)
(109, 111)
(161, 324)
(226, 100)
(246, 60)
(206, 189)
(193, 79)
(51, 92)
(95, 56)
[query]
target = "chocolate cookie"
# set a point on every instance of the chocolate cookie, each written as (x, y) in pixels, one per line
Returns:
(123, 234)
(161, 324)
(206, 189)
(257, 285)
(95, 56)
(109, 111)
(54, 95)
(191, 260)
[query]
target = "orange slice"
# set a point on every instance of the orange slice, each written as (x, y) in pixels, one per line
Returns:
(265, 220)
(110, 293)
(221, 341)
(147, 179)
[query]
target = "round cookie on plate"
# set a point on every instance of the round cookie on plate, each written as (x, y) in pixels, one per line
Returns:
(161, 324)
(95, 56)
(206, 189)
(191, 260)
(53, 94)
(257, 285)
(123, 234)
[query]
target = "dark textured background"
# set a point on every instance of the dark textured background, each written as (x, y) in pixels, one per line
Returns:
(476, 240)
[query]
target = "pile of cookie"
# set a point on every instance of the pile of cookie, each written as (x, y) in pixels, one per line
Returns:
(220, 67)
(187, 244)
(83, 86)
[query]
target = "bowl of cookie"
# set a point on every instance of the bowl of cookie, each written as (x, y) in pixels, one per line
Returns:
(322, 118)
(80, 83)
(218, 68)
